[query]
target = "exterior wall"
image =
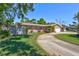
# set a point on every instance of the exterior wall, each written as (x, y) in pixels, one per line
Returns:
(62, 29)
(20, 30)
(32, 30)
(29, 30)
(57, 29)
(36, 29)
(42, 30)
(53, 28)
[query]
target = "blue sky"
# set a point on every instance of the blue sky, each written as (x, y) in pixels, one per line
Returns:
(50, 12)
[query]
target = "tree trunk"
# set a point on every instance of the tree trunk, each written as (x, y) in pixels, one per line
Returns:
(78, 28)
(0, 29)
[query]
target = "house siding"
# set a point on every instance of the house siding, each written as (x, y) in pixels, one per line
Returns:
(22, 29)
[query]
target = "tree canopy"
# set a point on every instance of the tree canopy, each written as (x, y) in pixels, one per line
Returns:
(76, 17)
(41, 21)
(33, 20)
(9, 11)
(28, 20)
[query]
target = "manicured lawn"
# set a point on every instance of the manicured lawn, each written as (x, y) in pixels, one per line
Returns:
(21, 45)
(71, 38)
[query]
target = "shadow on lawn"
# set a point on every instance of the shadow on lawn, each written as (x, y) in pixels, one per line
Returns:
(74, 35)
(18, 37)
(17, 48)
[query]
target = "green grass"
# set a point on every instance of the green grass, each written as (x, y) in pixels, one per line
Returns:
(71, 38)
(21, 46)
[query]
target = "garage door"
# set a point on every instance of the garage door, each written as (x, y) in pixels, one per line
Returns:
(57, 30)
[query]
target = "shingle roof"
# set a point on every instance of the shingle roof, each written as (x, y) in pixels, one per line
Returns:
(32, 24)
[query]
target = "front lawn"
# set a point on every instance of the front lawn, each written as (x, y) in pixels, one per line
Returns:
(21, 45)
(71, 38)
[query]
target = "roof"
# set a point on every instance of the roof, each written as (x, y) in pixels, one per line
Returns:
(32, 24)
(58, 25)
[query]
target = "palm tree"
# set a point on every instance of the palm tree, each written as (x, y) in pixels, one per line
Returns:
(76, 17)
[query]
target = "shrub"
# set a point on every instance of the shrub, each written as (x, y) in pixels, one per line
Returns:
(4, 34)
(48, 29)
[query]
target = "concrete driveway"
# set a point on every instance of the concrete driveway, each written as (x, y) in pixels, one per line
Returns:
(57, 47)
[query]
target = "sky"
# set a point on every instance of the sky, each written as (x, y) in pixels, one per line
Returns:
(64, 12)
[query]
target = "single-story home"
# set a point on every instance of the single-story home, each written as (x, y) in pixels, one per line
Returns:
(22, 28)
(39, 27)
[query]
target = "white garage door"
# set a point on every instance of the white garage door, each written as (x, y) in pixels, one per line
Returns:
(57, 30)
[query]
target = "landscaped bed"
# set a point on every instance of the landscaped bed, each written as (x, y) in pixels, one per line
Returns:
(21, 45)
(71, 38)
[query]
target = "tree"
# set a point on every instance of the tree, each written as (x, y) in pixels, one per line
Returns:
(41, 21)
(0, 24)
(74, 23)
(9, 23)
(76, 17)
(9, 11)
(33, 20)
(25, 20)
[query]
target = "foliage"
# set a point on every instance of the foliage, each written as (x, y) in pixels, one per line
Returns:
(8, 12)
(76, 17)
(41, 21)
(4, 34)
(33, 20)
(21, 46)
(72, 27)
(28, 21)
(25, 20)
(49, 29)
(15, 9)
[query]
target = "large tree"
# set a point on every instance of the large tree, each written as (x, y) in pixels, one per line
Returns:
(76, 17)
(33, 20)
(9, 11)
(25, 20)
(41, 21)
(9, 23)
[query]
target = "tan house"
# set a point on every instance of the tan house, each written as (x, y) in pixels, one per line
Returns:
(39, 28)
(23, 28)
